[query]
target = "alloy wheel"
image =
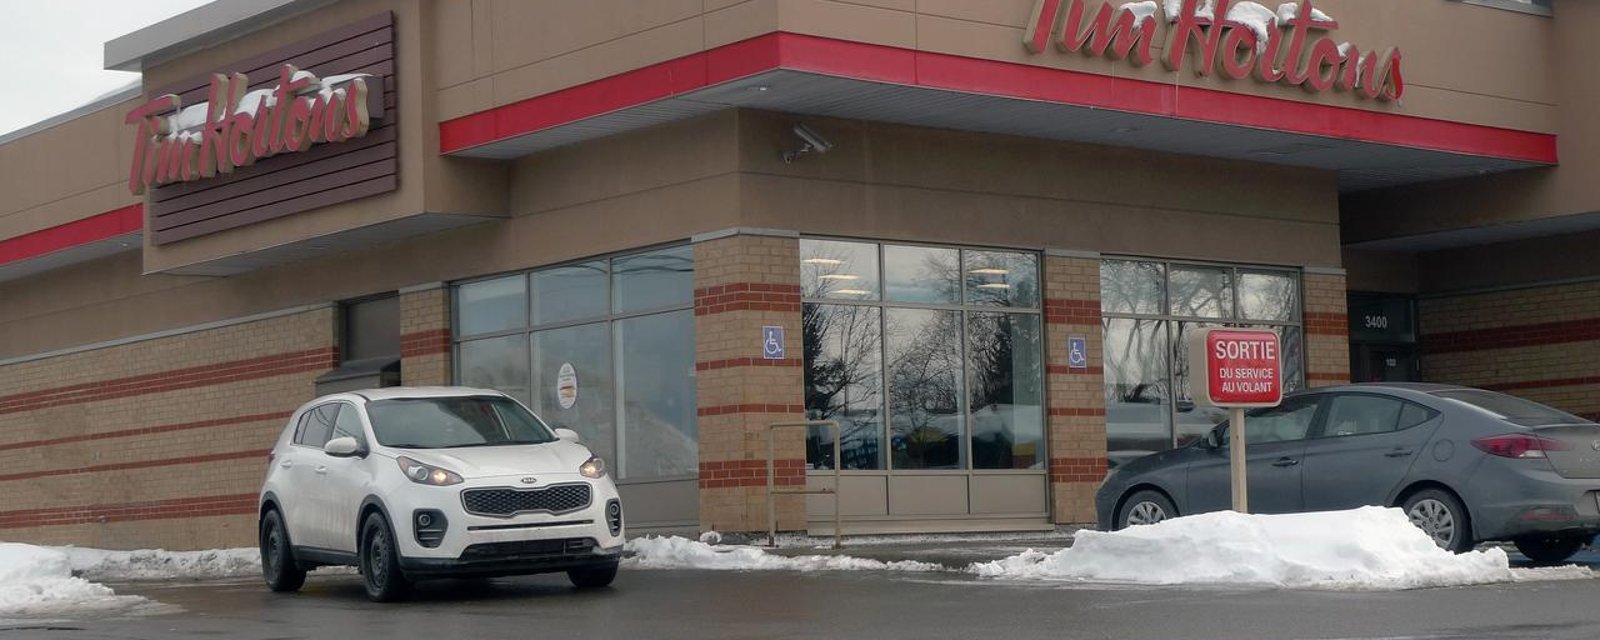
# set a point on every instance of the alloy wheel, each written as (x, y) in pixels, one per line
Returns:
(1434, 518)
(1146, 513)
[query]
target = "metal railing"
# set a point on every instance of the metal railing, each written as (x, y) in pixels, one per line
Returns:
(772, 491)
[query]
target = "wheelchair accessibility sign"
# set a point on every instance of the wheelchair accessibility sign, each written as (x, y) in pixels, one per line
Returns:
(772, 343)
(1077, 352)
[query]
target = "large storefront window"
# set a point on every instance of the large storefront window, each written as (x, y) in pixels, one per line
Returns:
(940, 367)
(605, 348)
(1148, 308)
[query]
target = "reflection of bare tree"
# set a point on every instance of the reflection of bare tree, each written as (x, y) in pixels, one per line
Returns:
(924, 379)
(843, 382)
(1268, 296)
(1202, 292)
(1006, 389)
(1132, 287)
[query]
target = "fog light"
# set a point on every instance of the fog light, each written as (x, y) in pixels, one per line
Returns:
(614, 517)
(424, 520)
(430, 527)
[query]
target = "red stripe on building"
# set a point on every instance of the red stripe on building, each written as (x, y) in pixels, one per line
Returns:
(750, 408)
(746, 296)
(422, 343)
(878, 63)
(145, 431)
(1089, 469)
(94, 228)
(245, 503)
(205, 375)
(1072, 311)
(1508, 337)
(1086, 371)
(752, 473)
(141, 464)
(712, 365)
(1076, 411)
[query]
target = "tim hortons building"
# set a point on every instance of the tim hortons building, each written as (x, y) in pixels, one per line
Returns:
(972, 233)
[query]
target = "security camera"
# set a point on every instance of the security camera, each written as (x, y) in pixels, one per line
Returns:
(811, 142)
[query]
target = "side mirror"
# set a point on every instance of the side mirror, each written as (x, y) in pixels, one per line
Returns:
(345, 447)
(1213, 439)
(568, 435)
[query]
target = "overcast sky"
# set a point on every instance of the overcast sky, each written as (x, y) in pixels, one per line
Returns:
(52, 52)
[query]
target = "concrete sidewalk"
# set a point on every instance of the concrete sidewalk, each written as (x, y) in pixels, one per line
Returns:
(951, 550)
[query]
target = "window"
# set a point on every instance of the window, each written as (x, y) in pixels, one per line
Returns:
(603, 347)
(347, 425)
(371, 329)
(1511, 408)
(1537, 7)
(1148, 307)
(1350, 415)
(316, 425)
(448, 423)
(945, 372)
(1287, 422)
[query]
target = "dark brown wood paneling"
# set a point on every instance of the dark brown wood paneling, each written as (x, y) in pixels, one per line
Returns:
(327, 174)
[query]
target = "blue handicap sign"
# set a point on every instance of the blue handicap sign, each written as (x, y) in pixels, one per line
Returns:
(772, 343)
(1077, 352)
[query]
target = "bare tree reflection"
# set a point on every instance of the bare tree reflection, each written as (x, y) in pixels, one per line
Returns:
(843, 381)
(925, 387)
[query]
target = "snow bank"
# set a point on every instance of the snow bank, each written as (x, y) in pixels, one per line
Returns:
(37, 581)
(1370, 548)
(654, 552)
(159, 564)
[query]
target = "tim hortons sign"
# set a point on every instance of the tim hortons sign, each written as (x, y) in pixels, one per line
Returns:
(235, 128)
(1289, 46)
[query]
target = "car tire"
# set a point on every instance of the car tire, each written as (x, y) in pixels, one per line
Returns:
(1145, 507)
(380, 562)
(1549, 549)
(1441, 515)
(593, 577)
(278, 564)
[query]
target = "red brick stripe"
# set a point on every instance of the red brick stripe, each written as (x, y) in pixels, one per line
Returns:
(1060, 311)
(752, 473)
(746, 362)
(1091, 469)
(244, 503)
(205, 375)
(141, 464)
(1061, 368)
(746, 296)
(422, 343)
(1542, 384)
(1076, 411)
(1526, 335)
(751, 408)
(144, 431)
(1327, 324)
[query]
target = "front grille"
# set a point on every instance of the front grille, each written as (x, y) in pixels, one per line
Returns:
(529, 549)
(502, 502)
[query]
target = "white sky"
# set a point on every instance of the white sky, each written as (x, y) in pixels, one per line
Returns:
(52, 52)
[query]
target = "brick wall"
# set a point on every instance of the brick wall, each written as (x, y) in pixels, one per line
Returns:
(743, 283)
(425, 336)
(1327, 328)
(157, 443)
(1541, 343)
(1077, 411)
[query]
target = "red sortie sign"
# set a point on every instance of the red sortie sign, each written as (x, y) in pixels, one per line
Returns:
(1243, 368)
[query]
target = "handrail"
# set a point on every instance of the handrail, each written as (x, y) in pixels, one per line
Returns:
(772, 513)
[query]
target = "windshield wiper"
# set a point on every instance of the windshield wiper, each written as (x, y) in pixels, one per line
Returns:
(409, 446)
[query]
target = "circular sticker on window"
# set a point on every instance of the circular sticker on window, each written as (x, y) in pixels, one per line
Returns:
(567, 386)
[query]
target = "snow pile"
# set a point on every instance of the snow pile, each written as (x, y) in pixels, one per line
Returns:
(159, 564)
(1370, 548)
(37, 581)
(654, 552)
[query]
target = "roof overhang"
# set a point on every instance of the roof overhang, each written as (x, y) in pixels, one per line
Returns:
(97, 236)
(201, 27)
(826, 77)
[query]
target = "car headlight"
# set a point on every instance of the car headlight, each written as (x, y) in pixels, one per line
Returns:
(426, 473)
(594, 467)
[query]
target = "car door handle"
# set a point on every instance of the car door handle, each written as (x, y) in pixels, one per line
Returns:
(322, 470)
(1398, 453)
(1285, 462)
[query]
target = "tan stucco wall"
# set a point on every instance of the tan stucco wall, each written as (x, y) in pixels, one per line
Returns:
(1462, 62)
(67, 172)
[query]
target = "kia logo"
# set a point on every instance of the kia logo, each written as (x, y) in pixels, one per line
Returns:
(1595, 445)
(531, 479)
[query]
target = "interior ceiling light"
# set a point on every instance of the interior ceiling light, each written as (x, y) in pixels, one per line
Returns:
(827, 261)
(994, 285)
(989, 271)
(839, 276)
(853, 292)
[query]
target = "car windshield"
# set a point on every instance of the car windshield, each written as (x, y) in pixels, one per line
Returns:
(445, 423)
(1511, 408)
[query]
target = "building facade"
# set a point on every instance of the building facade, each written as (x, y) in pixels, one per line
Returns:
(971, 234)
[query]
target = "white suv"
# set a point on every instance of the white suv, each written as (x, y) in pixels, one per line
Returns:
(411, 483)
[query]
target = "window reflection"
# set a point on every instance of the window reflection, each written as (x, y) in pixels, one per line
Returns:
(1132, 287)
(838, 270)
(921, 274)
(1191, 421)
(496, 363)
(1138, 415)
(581, 401)
(658, 395)
(1200, 292)
(1002, 279)
(653, 280)
(570, 293)
(844, 382)
(1268, 296)
(1007, 396)
(492, 305)
(924, 360)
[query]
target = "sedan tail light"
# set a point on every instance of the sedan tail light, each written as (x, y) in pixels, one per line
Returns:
(1518, 445)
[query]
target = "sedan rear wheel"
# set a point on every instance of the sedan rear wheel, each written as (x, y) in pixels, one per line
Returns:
(1146, 507)
(1441, 516)
(1549, 549)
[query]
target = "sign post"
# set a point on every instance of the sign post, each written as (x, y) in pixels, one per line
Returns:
(1243, 368)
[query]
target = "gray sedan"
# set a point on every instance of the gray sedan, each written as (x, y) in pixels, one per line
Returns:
(1467, 465)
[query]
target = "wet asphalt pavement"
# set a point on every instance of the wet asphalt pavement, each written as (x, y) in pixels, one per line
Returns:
(856, 604)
